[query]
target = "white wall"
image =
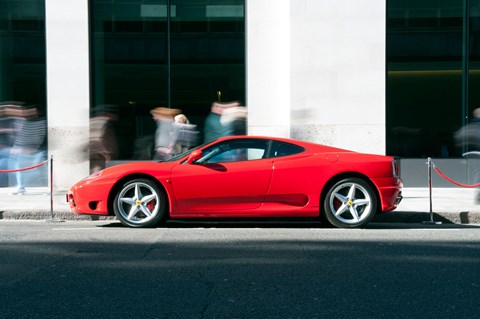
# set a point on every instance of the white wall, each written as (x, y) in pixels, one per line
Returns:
(268, 67)
(67, 88)
(332, 79)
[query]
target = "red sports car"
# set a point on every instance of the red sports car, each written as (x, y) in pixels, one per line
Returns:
(245, 176)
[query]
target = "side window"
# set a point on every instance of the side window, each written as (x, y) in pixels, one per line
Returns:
(283, 149)
(236, 150)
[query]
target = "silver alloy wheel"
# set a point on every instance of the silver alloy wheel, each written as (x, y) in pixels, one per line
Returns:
(138, 203)
(350, 203)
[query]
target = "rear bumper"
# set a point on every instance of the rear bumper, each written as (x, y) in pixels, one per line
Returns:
(390, 191)
(399, 198)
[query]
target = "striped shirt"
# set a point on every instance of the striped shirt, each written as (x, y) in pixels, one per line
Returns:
(31, 133)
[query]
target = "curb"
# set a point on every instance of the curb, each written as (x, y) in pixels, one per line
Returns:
(390, 217)
(420, 217)
(46, 215)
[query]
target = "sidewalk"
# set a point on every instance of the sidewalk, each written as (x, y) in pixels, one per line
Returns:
(36, 203)
(449, 205)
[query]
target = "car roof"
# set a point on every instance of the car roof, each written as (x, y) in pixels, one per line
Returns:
(307, 145)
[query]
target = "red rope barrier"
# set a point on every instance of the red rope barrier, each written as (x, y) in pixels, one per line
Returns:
(452, 181)
(22, 169)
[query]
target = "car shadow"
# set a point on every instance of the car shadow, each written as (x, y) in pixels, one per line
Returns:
(290, 223)
(234, 223)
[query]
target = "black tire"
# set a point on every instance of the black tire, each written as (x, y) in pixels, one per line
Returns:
(350, 203)
(139, 203)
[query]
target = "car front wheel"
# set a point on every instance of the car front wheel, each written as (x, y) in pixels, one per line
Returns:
(139, 203)
(350, 203)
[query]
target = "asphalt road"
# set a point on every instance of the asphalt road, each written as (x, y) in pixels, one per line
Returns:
(248, 270)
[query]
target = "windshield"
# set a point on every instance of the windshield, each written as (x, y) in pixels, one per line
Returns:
(179, 156)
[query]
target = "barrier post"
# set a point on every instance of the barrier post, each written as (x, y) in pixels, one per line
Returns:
(50, 181)
(429, 168)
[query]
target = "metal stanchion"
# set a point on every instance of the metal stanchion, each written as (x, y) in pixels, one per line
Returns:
(429, 165)
(52, 218)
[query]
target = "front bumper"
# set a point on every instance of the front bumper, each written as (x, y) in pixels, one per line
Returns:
(89, 198)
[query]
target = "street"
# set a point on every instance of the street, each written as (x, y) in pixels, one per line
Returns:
(279, 269)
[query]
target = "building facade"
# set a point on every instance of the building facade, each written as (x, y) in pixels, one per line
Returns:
(387, 77)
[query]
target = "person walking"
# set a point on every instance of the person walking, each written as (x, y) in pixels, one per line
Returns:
(29, 141)
(166, 133)
(213, 127)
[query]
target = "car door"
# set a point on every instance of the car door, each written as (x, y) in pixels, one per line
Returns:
(235, 178)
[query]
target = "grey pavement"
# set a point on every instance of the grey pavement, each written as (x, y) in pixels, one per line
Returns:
(449, 205)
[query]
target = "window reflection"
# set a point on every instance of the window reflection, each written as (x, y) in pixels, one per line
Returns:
(174, 54)
(424, 82)
(433, 71)
(22, 93)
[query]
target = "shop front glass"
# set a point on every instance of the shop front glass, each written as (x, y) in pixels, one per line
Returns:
(23, 131)
(157, 59)
(433, 64)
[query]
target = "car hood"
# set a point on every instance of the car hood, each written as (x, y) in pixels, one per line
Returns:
(146, 167)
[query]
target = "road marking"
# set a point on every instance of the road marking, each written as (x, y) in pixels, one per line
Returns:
(79, 228)
(437, 229)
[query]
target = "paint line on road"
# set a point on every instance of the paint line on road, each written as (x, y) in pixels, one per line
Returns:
(78, 228)
(436, 229)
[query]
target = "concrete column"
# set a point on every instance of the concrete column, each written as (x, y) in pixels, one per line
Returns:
(268, 67)
(338, 73)
(68, 101)
(316, 71)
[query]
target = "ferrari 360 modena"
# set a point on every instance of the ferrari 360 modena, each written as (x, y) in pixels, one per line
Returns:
(245, 177)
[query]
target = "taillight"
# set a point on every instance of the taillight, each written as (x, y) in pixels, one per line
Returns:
(396, 168)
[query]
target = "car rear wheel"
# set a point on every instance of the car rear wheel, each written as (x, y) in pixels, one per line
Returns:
(139, 203)
(350, 203)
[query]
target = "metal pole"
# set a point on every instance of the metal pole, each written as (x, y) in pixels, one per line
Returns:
(51, 186)
(430, 186)
(52, 219)
(169, 55)
(465, 69)
(429, 165)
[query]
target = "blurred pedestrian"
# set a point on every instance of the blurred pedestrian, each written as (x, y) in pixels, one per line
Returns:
(186, 134)
(165, 134)
(468, 137)
(213, 127)
(8, 114)
(28, 148)
(235, 120)
(103, 139)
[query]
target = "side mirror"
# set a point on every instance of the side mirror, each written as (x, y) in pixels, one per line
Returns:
(194, 156)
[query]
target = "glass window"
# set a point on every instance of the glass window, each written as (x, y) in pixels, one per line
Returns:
(424, 77)
(248, 150)
(178, 54)
(469, 135)
(129, 77)
(22, 92)
(283, 149)
(433, 56)
(235, 151)
(207, 55)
